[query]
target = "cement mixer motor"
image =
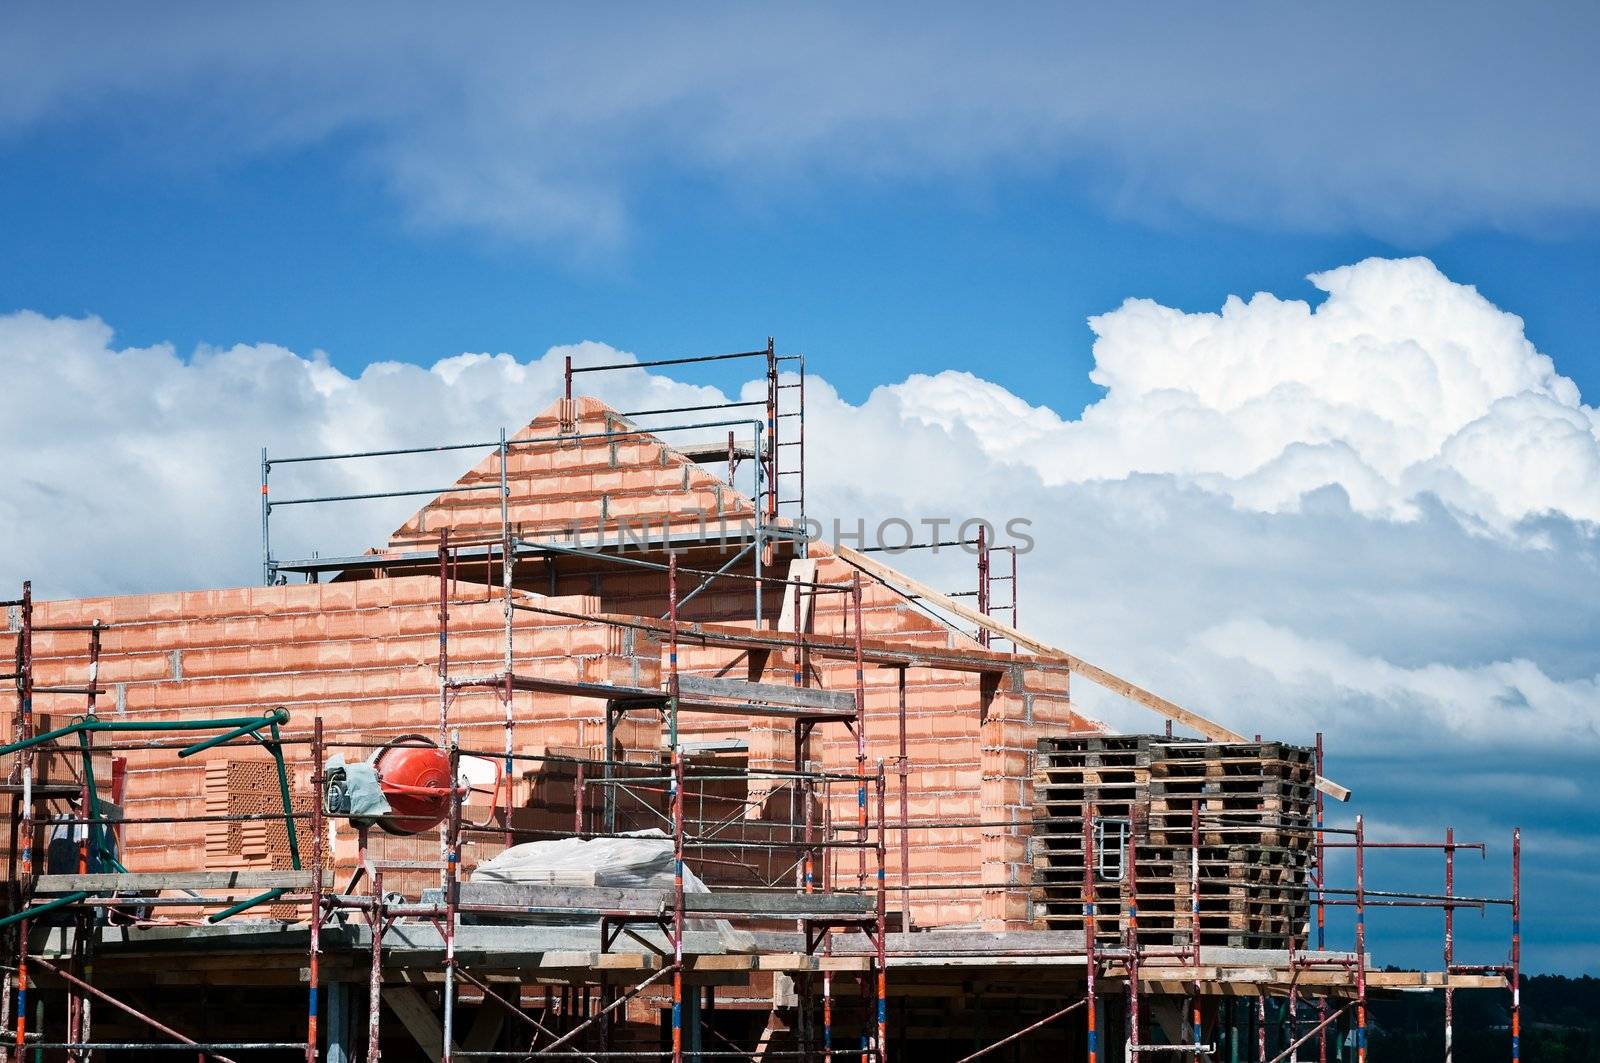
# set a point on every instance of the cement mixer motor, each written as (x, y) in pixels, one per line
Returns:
(403, 788)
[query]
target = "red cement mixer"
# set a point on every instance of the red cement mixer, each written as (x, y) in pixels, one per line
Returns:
(412, 774)
(415, 777)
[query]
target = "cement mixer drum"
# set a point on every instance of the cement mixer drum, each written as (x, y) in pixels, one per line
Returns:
(415, 777)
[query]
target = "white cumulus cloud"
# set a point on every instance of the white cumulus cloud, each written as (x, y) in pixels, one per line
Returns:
(1401, 382)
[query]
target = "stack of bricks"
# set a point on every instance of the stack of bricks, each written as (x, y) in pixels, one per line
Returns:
(1255, 803)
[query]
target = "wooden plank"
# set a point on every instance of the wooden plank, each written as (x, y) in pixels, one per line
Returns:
(773, 693)
(581, 900)
(576, 900)
(1114, 683)
(779, 905)
(801, 570)
(125, 882)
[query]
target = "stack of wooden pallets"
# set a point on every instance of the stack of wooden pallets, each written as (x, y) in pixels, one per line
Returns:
(1255, 802)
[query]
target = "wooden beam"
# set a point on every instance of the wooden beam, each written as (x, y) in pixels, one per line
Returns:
(1116, 684)
(418, 1019)
(122, 882)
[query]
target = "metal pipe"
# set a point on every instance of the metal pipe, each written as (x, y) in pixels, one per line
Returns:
(444, 685)
(1449, 943)
(375, 967)
(669, 361)
(723, 571)
(526, 441)
(800, 445)
(507, 576)
(983, 582)
(677, 811)
(1090, 962)
(245, 905)
(695, 409)
(1319, 1031)
(1516, 944)
(758, 526)
(861, 730)
(1130, 934)
(39, 909)
(279, 715)
(1361, 943)
(97, 724)
(451, 899)
(1194, 915)
(1068, 1010)
(210, 1049)
(266, 518)
(452, 489)
(314, 947)
(1322, 883)
(905, 809)
(883, 932)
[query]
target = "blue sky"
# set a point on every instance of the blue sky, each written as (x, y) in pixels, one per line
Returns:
(997, 278)
(1377, 519)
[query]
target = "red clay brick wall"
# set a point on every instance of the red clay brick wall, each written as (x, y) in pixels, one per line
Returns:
(362, 655)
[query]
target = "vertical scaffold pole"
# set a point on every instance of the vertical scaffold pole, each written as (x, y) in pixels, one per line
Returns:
(266, 523)
(1361, 940)
(828, 862)
(1130, 936)
(904, 768)
(25, 765)
(1322, 882)
(375, 971)
(677, 809)
(883, 919)
(314, 949)
(1089, 960)
(861, 735)
(1449, 942)
(1194, 919)
(80, 1003)
(451, 896)
(759, 553)
(800, 466)
(506, 569)
(444, 679)
(1516, 945)
(983, 582)
(773, 479)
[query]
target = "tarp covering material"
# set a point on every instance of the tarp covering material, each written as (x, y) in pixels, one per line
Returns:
(638, 860)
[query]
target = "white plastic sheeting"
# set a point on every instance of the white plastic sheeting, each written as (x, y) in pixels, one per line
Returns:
(637, 860)
(640, 860)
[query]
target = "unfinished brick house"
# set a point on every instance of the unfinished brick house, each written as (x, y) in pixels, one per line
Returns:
(616, 638)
